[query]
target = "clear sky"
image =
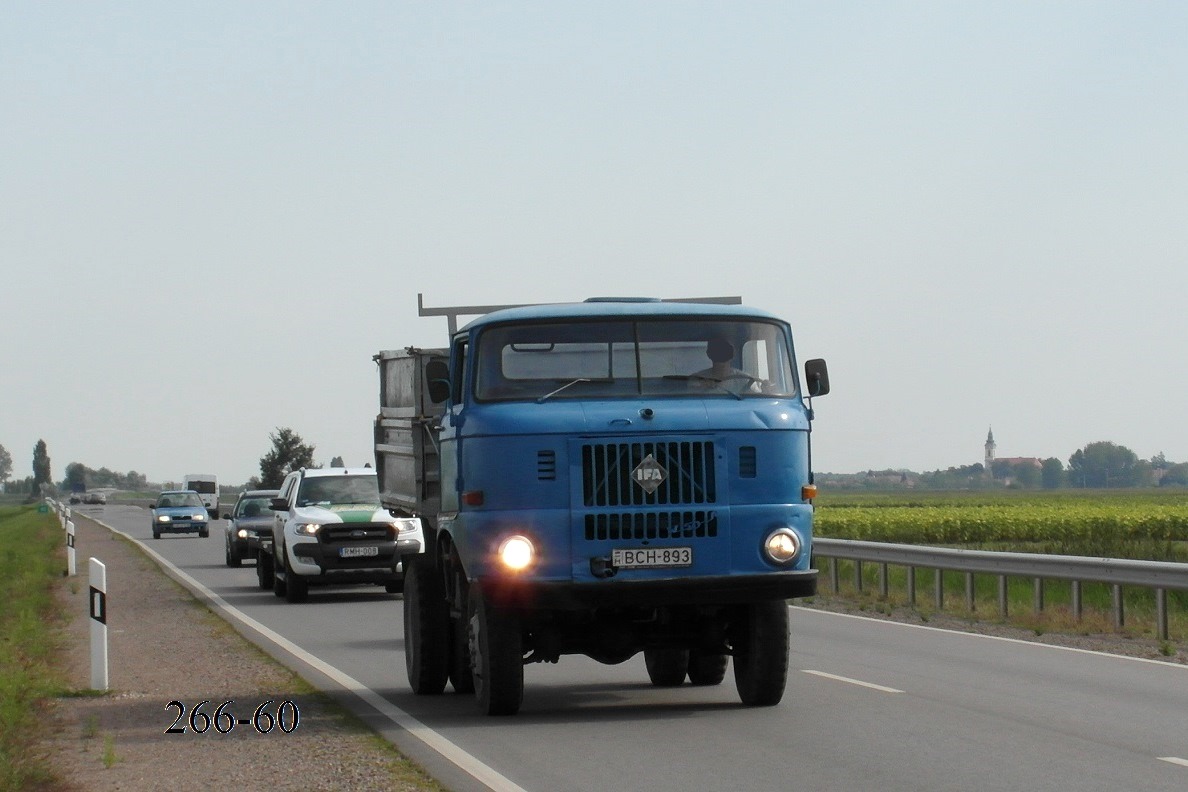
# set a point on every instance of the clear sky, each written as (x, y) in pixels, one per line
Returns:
(212, 214)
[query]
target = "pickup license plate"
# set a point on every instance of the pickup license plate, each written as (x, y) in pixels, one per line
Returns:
(652, 557)
(357, 552)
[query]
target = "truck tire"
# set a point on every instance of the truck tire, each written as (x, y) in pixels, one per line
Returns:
(264, 571)
(760, 640)
(461, 674)
(426, 627)
(666, 665)
(706, 668)
(496, 656)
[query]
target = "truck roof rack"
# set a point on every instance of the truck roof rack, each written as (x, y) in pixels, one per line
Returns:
(453, 312)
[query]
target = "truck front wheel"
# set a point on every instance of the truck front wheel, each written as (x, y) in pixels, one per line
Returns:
(760, 640)
(426, 627)
(496, 656)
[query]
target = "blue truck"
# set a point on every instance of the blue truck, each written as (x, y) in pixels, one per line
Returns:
(608, 477)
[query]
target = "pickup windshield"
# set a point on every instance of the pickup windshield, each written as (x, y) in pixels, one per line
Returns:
(623, 359)
(339, 490)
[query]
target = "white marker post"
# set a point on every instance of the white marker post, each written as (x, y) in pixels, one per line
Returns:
(71, 563)
(98, 625)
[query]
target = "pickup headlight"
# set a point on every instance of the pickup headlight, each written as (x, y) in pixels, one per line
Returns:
(406, 524)
(308, 529)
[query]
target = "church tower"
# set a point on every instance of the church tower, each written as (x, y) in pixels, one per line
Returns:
(990, 451)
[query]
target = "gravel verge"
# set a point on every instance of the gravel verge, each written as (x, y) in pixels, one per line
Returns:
(164, 646)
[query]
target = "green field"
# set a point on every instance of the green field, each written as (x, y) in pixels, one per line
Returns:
(1137, 524)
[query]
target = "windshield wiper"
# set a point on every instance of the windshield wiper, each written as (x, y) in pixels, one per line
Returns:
(547, 396)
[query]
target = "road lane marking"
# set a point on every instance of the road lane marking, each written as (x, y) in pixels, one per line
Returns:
(858, 682)
(1174, 760)
(484, 773)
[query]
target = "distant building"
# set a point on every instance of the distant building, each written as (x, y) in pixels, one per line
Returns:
(1035, 462)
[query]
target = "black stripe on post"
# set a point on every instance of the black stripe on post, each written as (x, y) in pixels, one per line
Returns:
(98, 605)
(70, 539)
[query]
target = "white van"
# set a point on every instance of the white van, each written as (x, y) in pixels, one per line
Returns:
(207, 486)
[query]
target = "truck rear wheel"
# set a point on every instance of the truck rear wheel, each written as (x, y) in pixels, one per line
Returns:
(666, 666)
(496, 656)
(426, 627)
(760, 642)
(706, 668)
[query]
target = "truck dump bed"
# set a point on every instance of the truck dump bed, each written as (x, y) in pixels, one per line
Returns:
(406, 458)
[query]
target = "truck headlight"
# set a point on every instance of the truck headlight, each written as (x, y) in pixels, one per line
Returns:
(782, 546)
(308, 529)
(516, 553)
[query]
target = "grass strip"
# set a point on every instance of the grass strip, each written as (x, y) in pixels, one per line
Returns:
(31, 561)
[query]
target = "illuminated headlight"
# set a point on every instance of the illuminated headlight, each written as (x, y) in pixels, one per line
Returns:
(406, 524)
(242, 533)
(199, 517)
(163, 518)
(308, 529)
(782, 546)
(516, 553)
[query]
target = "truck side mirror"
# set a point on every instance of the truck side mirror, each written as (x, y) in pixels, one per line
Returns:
(437, 374)
(279, 504)
(816, 377)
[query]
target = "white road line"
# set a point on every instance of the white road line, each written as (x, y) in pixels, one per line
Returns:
(1174, 760)
(483, 772)
(858, 682)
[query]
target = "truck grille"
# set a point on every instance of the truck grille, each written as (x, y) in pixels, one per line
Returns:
(651, 525)
(688, 474)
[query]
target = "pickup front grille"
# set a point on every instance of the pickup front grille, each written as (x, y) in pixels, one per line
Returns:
(356, 532)
(688, 478)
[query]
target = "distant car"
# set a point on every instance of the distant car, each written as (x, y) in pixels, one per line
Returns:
(180, 511)
(95, 498)
(251, 518)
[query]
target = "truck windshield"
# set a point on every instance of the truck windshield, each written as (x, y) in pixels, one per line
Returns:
(621, 359)
(335, 490)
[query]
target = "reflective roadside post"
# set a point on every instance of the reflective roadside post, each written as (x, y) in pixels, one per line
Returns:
(98, 625)
(71, 563)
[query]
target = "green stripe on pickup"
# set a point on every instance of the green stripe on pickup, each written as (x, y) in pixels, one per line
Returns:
(356, 516)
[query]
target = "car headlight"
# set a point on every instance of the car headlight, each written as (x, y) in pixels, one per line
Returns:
(406, 524)
(782, 546)
(516, 553)
(242, 533)
(162, 518)
(200, 517)
(309, 529)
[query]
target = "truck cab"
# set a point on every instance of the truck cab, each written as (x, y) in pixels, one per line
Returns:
(612, 477)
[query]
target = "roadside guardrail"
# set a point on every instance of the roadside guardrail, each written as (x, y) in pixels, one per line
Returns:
(1158, 576)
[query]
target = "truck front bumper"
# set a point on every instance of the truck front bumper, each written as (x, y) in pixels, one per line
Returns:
(703, 590)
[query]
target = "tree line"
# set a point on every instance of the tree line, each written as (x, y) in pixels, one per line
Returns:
(1099, 465)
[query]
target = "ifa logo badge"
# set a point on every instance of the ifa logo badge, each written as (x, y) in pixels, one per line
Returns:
(648, 474)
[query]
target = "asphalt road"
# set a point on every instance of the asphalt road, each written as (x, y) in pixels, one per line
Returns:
(870, 704)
